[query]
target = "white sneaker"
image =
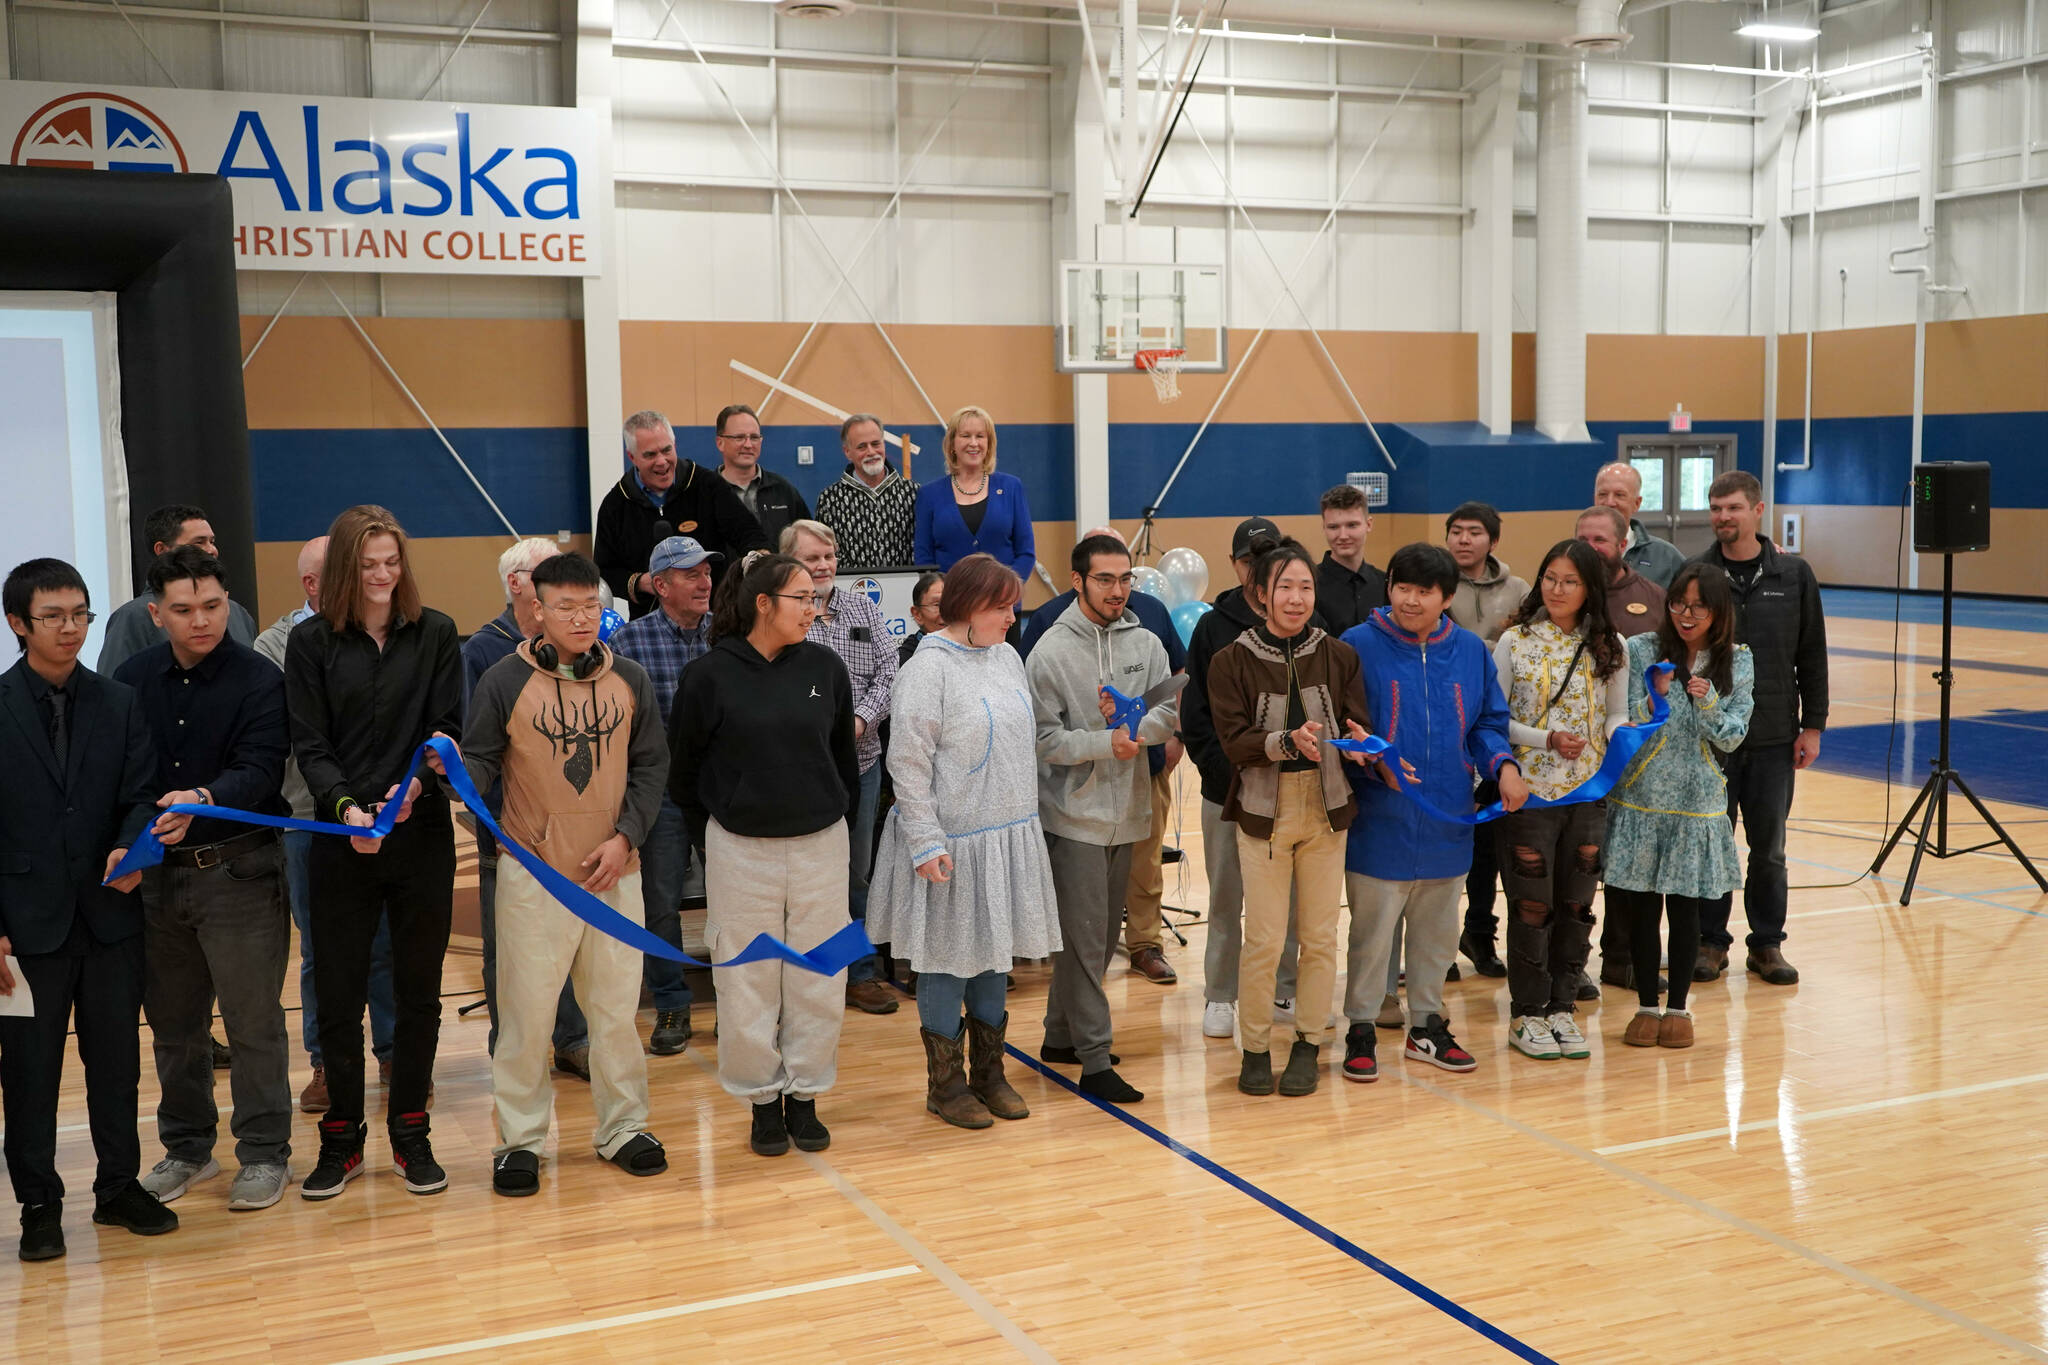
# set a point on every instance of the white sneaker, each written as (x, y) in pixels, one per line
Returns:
(1283, 1009)
(1530, 1035)
(171, 1177)
(1219, 1019)
(259, 1186)
(1570, 1042)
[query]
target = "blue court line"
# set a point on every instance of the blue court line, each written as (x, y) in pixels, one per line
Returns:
(1295, 1216)
(1924, 609)
(1902, 851)
(1978, 665)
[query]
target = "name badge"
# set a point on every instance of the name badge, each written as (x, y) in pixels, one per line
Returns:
(1638, 609)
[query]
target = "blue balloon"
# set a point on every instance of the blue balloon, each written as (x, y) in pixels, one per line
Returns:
(1186, 615)
(609, 623)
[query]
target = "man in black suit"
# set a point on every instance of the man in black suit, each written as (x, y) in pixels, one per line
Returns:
(80, 765)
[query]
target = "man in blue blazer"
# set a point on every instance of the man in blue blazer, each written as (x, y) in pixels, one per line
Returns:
(80, 765)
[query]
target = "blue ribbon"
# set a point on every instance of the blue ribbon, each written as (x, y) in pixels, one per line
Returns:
(846, 947)
(1622, 750)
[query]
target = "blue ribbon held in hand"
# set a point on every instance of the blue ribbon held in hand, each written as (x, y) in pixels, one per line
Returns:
(834, 955)
(1622, 751)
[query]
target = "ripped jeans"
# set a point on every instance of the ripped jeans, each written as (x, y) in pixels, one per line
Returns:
(1550, 864)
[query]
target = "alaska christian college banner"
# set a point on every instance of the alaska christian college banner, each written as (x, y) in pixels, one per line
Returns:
(342, 184)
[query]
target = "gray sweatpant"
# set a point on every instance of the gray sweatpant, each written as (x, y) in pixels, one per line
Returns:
(1089, 882)
(778, 1025)
(1226, 916)
(1377, 908)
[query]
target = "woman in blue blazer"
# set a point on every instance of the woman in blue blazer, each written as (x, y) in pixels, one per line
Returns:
(974, 509)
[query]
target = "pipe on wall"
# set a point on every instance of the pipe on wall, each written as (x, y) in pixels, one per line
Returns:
(1529, 21)
(1560, 251)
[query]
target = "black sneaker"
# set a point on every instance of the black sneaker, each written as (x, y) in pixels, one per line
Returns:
(412, 1155)
(770, 1136)
(1304, 1068)
(1255, 1073)
(1485, 960)
(42, 1232)
(800, 1118)
(1588, 988)
(1359, 1062)
(671, 1033)
(341, 1159)
(137, 1210)
(1431, 1042)
(223, 1055)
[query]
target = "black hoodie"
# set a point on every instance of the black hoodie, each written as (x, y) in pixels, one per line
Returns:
(763, 746)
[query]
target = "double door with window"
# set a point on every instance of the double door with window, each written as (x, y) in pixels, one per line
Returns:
(1677, 471)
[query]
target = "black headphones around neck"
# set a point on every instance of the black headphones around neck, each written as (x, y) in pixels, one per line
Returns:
(580, 668)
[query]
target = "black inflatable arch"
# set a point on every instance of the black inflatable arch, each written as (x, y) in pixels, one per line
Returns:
(165, 245)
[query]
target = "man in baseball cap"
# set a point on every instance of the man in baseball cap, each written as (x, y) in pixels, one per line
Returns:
(664, 642)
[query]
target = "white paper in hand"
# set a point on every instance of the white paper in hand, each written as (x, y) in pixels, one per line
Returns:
(19, 1005)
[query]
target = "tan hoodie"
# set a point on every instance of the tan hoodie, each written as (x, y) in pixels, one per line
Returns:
(1484, 604)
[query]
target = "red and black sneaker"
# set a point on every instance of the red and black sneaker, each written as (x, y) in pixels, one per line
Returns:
(412, 1155)
(1359, 1062)
(1431, 1042)
(341, 1159)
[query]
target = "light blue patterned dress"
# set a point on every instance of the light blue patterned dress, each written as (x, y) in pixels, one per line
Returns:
(963, 754)
(1667, 820)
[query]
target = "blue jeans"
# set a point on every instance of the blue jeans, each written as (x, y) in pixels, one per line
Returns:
(664, 862)
(570, 1029)
(861, 862)
(383, 1013)
(941, 997)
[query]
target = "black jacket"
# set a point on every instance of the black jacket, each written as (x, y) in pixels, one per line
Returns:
(56, 829)
(1343, 598)
(778, 504)
(699, 504)
(358, 712)
(1231, 618)
(765, 747)
(1780, 619)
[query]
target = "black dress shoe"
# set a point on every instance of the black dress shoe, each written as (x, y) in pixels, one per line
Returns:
(42, 1232)
(137, 1210)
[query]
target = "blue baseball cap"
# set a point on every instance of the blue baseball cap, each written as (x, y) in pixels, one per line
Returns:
(679, 552)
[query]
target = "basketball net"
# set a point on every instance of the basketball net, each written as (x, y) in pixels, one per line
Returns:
(1164, 369)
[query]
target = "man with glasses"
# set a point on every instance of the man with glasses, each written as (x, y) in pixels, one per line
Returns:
(80, 776)
(131, 629)
(772, 499)
(664, 495)
(574, 732)
(850, 625)
(495, 640)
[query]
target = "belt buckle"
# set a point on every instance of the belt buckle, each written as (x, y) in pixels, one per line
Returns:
(206, 857)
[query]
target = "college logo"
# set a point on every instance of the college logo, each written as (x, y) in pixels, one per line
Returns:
(870, 588)
(97, 132)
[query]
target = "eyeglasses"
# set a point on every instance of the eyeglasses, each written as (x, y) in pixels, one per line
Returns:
(1103, 580)
(806, 598)
(742, 440)
(1691, 611)
(57, 620)
(1561, 584)
(570, 611)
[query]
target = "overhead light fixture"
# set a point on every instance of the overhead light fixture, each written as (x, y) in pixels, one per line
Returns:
(1772, 32)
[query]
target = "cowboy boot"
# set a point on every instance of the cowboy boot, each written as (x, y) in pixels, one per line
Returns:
(985, 1080)
(946, 1091)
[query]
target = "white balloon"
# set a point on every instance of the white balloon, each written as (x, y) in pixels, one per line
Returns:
(1187, 575)
(1147, 579)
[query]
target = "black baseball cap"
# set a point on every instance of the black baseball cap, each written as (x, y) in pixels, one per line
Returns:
(1241, 538)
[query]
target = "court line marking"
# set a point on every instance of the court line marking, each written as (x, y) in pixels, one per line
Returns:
(926, 1258)
(1866, 909)
(1738, 1222)
(1448, 1307)
(1900, 882)
(2001, 856)
(680, 1310)
(1813, 1115)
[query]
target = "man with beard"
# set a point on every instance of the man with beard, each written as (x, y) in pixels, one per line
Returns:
(872, 509)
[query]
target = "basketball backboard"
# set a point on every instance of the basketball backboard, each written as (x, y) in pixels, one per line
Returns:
(1111, 310)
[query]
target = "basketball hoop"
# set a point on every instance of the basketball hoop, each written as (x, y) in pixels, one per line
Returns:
(1163, 366)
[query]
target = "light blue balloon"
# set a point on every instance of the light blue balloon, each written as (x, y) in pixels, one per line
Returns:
(609, 622)
(1186, 616)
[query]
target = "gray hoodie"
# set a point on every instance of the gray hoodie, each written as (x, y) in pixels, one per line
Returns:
(1083, 793)
(1483, 605)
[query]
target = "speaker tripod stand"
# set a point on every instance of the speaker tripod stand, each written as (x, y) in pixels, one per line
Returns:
(1931, 805)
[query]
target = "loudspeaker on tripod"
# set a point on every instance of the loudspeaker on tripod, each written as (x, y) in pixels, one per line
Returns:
(1951, 507)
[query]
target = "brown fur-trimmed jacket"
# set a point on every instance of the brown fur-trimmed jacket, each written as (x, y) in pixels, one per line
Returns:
(1248, 699)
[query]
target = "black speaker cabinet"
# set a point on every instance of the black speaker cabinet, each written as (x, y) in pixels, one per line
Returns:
(1951, 507)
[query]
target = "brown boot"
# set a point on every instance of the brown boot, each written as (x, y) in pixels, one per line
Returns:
(985, 1080)
(1643, 1030)
(1770, 964)
(1710, 964)
(946, 1091)
(313, 1099)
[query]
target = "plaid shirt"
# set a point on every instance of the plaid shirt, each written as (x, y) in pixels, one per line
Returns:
(663, 648)
(851, 627)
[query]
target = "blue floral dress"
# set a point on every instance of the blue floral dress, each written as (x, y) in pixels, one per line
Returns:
(1667, 820)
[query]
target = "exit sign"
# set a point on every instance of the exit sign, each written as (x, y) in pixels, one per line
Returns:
(1681, 420)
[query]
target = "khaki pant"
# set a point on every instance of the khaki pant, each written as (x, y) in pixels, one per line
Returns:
(778, 1025)
(1306, 857)
(539, 945)
(1147, 890)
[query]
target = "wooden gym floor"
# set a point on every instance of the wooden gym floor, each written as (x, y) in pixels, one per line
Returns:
(1847, 1168)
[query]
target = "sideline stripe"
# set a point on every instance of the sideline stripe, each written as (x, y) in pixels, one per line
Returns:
(1882, 880)
(1294, 1216)
(1812, 1115)
(634, 1319)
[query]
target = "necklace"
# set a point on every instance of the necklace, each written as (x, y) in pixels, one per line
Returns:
(966, 493)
